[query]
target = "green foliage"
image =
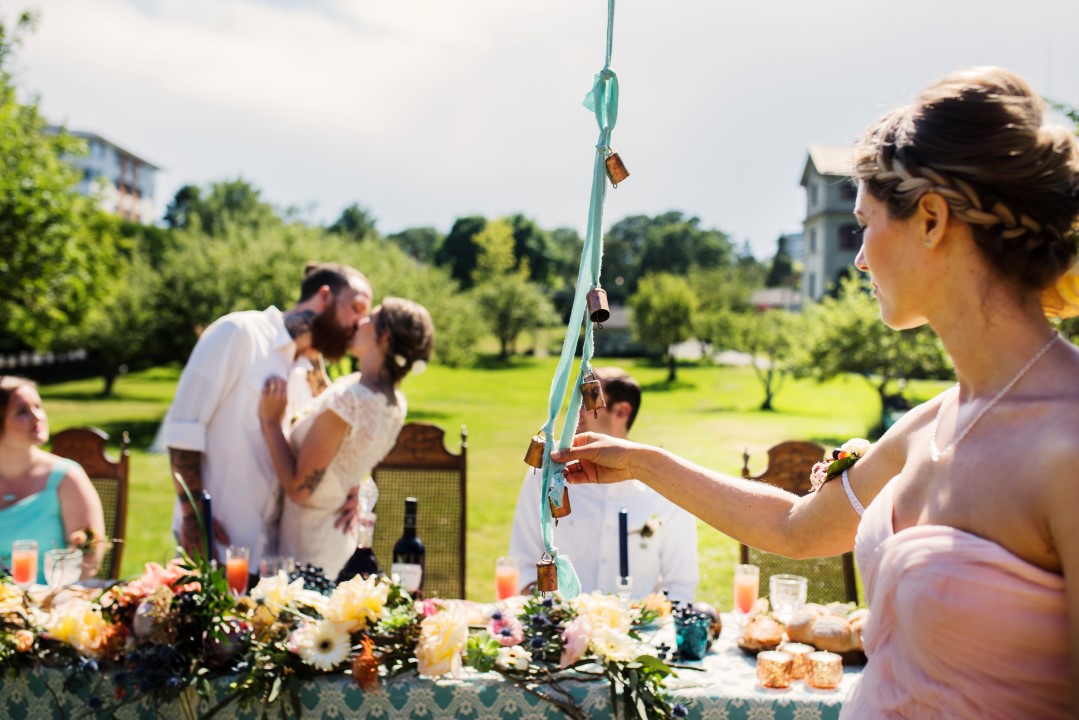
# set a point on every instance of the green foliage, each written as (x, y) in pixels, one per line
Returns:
(354, 222)
(421, 243)
(781, 272)
(494, 257)
(459, 251)
(772, 338)
(57, 245)
(511, 304)
(224, 208)
(536, 249)
(845, 335)
(663, 313)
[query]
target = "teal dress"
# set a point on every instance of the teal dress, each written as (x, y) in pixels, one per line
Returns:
(36, 517)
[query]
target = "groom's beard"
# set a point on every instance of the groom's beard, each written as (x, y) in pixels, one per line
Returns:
(330, 337)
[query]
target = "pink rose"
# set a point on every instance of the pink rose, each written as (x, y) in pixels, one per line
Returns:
(576, 636)
(507, 631)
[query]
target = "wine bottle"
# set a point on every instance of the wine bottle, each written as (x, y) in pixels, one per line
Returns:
(362, 562)
(409, 556)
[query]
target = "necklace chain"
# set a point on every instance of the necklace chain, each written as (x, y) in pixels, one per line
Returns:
(935, 454)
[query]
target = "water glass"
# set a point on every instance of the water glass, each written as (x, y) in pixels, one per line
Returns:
(691, 634)
(747, 583)
(62, 567)
(507, 577)
(273, 564)
(24, 562)
(787, 594)
(236, 568)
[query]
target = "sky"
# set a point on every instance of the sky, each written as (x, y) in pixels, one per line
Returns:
(423, 112)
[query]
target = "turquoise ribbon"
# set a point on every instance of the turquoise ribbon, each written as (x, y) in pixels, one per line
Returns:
(603, 101)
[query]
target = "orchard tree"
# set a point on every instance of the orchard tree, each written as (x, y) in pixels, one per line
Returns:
(771, 338)
(458, 251)
(57, 245)
(663, 314)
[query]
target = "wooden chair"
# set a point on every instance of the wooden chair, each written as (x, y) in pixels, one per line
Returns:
(86, 446)
(830, 579)
(419, 466)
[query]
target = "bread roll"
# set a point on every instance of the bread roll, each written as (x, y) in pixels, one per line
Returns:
(763, 633)
(832, 633)
(800, 627)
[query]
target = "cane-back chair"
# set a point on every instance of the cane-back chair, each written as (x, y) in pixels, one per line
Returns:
(420, 466)
(86, 446)
(830, 579)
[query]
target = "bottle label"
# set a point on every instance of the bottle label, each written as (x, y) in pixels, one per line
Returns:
(410, 575)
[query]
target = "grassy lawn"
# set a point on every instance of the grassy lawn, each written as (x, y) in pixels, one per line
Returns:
(709, 416)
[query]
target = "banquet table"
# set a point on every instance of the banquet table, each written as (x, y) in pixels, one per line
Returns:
(723, 686)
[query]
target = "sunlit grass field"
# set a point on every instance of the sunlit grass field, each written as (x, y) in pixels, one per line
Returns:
(709, 415)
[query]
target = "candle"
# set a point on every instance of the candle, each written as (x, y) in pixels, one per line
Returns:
(800, 652)
(825, 670)
(623, 543)
(207, 524)
(774, 668)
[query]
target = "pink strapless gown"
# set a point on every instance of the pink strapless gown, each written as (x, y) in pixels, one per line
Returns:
(959, 628)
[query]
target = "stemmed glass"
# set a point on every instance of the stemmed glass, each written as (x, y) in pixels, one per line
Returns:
(62, 567)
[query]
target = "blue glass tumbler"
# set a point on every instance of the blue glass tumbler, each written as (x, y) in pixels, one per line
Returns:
(691, 634)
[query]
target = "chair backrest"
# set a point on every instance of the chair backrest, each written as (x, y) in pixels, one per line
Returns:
(830, 579)
(86, 446)
(419, 466)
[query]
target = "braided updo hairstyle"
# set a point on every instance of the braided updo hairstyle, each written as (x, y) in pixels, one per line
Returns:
(411, 334)
(977, 138)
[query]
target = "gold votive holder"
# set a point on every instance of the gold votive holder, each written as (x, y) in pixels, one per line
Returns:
(774, 668)
(825, 670)
(800, 652)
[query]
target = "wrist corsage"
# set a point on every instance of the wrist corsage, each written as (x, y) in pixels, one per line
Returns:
(841, 459)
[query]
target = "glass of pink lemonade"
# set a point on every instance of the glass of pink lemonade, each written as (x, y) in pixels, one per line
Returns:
(24, 562)
(747, 585)
(236, 568)
(507, 577)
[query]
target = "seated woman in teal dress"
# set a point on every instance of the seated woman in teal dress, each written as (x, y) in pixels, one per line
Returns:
(43, 497)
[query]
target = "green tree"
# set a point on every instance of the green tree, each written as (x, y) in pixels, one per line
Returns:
(494, 257)
(536, 247)
(221, 207)
(663, 314)
(458, 251)
(354, 222)
(845, 335)
(57, 245)
(781, 271)
(512, 304)
(421, 243)
(771, 338)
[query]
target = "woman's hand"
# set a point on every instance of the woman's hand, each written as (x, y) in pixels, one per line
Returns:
(274, 400)
(602, 459)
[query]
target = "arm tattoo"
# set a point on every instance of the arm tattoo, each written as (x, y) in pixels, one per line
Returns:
(299, 322)
(188, 465)
(311, 482)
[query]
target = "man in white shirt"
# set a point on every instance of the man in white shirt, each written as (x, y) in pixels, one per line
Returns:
(662, 539)
(212, 428)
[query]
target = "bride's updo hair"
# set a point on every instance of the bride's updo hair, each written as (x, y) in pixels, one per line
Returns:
(977, 138)
(411, 334)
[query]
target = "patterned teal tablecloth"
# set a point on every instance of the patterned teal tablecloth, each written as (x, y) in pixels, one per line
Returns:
(725, 689)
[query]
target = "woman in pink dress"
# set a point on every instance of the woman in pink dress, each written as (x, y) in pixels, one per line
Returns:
(969, 542)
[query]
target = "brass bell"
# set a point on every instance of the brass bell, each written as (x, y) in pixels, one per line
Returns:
(598, 310)
(592, 395)
(616, 170)
(534, 456)
(564, 510)
(546, 574)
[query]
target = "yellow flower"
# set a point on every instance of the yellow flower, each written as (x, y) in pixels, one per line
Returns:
(659, 604)
(602, 610)
(276, 594)
(442, 638)
(79, 624)
(614, 645)
(10, 599)
(358, 603)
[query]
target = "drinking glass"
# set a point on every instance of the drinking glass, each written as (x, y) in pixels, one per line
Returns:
(507, 577)
(272, 564)
(236, 562)
(787, 594)
(24, 562)
(691, 634)
(747, 583)
(62, 567)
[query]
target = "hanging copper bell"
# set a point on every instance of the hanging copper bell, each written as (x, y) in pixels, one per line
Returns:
(598, 310)
(534, 456)
(592, 394)
(616, 170)
(546, 574)
(564, 510)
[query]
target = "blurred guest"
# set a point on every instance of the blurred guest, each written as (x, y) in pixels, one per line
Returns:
(663, 537)
(212, 429)
(43, 497)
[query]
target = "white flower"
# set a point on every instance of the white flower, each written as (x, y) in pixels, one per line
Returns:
(321, 644)
(856, 446)
(514, 657)
(401, 360)
(418, 367)
(602, 609)
(358, 603)
(276, 594)
(442, 638)
(614, 645)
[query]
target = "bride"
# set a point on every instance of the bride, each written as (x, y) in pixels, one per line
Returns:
(348, 429)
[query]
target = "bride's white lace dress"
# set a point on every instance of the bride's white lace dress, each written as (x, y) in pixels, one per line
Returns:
(307, 531)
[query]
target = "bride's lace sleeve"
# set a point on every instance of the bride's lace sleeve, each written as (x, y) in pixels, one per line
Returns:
(373, 426)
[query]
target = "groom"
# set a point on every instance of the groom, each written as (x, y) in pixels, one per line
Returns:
(212, 428)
